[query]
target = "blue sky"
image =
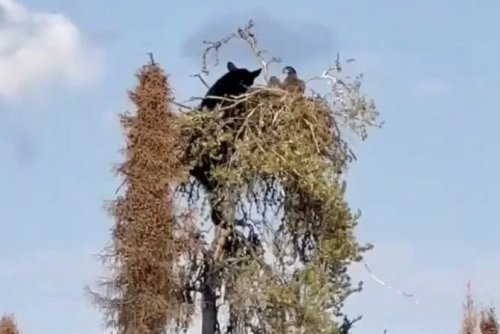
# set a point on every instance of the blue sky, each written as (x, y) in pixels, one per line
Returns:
(427, 182)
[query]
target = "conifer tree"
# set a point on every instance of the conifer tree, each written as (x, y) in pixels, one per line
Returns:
(8, 325)
(470, 317)
(475, 322)
(489, 322)
(140, 296)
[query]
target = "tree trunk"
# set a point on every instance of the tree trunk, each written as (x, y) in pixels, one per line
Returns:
(212, 280)
(209, 304)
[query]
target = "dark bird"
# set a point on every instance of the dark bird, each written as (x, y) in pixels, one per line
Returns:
(274, 82)
(235, 82)
(292, 81)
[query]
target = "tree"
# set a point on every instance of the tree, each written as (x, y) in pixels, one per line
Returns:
(141, 295)
(8, 325)
(470, 315)
(277, 258)
(474, 322)
(488, 323)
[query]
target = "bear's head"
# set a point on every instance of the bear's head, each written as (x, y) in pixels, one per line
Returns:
(233, 83)
(245, 76)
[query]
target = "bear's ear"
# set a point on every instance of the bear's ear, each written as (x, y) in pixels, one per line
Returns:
(231, 67)
(256, 73)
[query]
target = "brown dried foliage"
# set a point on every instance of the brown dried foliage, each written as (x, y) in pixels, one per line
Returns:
(474, 322)
(470, 315)
(488, 323)
(145, 248)
(8, 325)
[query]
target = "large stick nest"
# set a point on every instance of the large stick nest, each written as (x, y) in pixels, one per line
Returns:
(267, 132)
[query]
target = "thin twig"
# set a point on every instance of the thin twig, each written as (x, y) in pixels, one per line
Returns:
(275, 118)
(398, 291)
(151, 58)
(329, 76)
(247, 36)
(313, 135)
(214, 46)
(234, 99)
(120, 186)
(181, 105)
(347, 324)
(245, 122)
(198, 75)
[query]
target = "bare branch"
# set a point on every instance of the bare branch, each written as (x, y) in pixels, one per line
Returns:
(347, 324)
(248, 37)
(181, 105)
(398, 291)
(349, 105)
(214, 46)
(198, 75)
(236, 99)
(329, 77)
(151, 58)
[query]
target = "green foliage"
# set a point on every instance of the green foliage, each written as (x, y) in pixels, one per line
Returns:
(286, 153)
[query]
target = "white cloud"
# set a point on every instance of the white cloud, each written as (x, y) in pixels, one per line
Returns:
(37, 48)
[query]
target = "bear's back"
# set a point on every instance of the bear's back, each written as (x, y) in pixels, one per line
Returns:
(230, 84)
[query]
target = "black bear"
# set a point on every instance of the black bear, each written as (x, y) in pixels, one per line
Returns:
(235, 82)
